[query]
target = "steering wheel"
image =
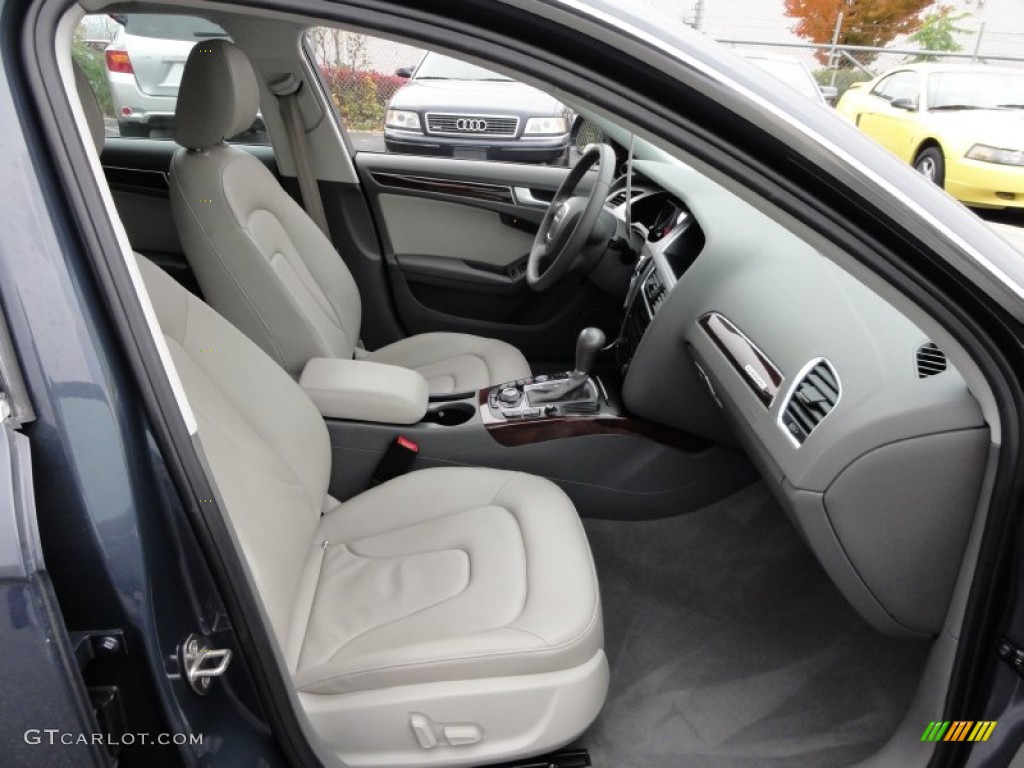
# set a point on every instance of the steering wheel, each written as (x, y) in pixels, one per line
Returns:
(570, 219)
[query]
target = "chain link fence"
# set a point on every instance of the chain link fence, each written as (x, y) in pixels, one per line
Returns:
(360, 73)
(843, 65)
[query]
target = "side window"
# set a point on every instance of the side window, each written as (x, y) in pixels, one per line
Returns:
(134, 63)
(880, 87)
(905, 85)
(394, 98)
(901, 85)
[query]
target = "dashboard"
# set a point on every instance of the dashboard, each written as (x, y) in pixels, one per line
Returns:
(738, 331)
(670, 239)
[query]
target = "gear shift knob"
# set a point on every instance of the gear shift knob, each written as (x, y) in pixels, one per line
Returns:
(589, 343)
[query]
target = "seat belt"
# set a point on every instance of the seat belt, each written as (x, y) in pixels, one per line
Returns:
(287, 91)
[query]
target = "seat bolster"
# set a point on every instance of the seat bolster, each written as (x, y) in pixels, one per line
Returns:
(456, 362)
(500, 653)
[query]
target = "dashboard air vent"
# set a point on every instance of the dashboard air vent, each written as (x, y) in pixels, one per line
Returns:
(812, 398)
(930, 360)
(619, 198)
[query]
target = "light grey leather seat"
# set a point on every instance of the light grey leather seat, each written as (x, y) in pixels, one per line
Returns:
(448, 617)
(264, 264)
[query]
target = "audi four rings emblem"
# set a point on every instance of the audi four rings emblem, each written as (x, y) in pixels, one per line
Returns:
(473, 124)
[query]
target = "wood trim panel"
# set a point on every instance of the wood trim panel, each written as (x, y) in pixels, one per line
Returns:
(493, 193)
(136, 179)
(511, 434)
(752, 365)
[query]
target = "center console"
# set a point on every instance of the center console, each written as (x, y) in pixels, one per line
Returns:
(546, 396)
(557, 394)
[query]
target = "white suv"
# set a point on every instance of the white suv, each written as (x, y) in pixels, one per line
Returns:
(145, 60)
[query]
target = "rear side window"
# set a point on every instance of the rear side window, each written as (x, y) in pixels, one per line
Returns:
(134, 63)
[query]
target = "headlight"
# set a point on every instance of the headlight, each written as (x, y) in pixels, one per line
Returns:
(989, 154)
(554, 125)
(401, 118)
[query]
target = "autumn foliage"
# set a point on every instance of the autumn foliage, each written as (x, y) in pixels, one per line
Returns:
(873, 23)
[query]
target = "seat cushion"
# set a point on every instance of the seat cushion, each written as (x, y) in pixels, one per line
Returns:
(449, 574)
(456, 362)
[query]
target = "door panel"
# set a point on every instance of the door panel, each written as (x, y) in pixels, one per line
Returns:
(892, 128)
(439, 228)
(456, 235)
(43, 688)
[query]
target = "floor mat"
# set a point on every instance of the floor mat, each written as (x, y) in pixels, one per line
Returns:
(729, 646)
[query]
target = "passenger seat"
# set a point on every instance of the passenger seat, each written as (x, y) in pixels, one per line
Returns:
(448, 617)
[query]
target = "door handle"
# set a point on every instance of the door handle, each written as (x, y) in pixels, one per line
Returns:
(524, 196)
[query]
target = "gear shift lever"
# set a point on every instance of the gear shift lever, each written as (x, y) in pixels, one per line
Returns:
(574, 391)
(588, 344)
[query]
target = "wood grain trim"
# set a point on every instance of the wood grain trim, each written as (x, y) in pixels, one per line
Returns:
(492, 193)
(512, 434)
(136, 178)
(752, 365)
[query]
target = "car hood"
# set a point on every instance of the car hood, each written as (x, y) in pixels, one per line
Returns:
(475, 97)
(994, 127)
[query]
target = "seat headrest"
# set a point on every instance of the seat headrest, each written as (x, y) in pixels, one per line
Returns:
(219, 96)
(91, 107)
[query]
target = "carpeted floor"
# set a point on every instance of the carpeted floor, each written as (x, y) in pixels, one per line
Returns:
(729, 646)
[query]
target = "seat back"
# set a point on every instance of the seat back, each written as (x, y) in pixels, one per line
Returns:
(260, 260)
(265, 441)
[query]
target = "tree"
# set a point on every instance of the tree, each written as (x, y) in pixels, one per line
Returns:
(873, 23)
(938, 30)
(89, 56)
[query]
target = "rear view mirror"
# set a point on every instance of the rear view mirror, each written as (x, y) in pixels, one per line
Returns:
(904, 103)
(405, 72)
(830, 93)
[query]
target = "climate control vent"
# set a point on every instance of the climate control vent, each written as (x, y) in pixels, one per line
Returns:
(930, 360)
(620, 197)
(812, 398)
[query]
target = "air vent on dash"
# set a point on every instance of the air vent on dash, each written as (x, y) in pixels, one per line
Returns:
(812, 398)
(930, 360)
(619, 198)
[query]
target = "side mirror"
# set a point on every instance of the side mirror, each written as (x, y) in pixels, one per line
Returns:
(830, 93)
(904, 103)
(405, 72)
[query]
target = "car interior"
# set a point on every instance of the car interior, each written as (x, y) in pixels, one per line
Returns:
(689, 485)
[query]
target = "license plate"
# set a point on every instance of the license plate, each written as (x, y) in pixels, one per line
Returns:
(471, 153)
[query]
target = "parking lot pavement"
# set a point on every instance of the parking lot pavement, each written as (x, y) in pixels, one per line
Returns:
(366, 141)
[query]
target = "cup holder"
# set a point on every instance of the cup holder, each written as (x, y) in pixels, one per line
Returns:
(450, 414)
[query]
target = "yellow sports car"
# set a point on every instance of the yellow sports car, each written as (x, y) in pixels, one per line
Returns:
(961, 126)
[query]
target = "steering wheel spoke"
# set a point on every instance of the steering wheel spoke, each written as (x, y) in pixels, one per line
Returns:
(570, 219)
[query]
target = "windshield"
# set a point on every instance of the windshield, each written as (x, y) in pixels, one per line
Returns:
(976, 90)
(437, 67)
(792, 74)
